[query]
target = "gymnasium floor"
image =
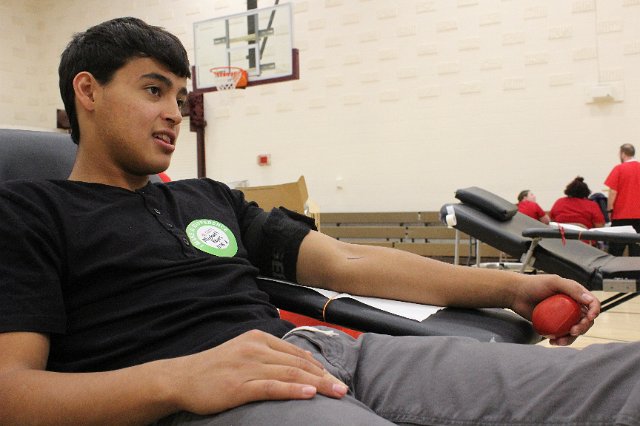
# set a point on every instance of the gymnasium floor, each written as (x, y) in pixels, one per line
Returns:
(620, 324)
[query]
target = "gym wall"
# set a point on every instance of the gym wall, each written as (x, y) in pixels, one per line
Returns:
(399, 103)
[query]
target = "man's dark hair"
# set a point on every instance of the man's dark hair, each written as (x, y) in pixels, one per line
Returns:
(577, 188)
(105, 48)
(523, 194)
(628, 150)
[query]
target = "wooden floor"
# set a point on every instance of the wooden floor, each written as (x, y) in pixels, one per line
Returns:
(619, 324)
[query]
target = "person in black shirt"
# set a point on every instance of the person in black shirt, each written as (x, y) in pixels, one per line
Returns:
(125, 302)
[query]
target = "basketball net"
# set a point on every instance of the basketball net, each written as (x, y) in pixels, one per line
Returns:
(228, 78)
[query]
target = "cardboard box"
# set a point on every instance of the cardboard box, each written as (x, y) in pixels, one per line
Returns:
(291, 195)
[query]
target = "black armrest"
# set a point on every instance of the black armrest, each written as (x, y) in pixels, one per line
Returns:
(488, 325)
(571, 234)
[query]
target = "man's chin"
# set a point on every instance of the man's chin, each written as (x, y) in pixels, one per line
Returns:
(156, 168)
(147, 173)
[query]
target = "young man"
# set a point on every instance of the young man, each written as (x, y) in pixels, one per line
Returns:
(125, 302)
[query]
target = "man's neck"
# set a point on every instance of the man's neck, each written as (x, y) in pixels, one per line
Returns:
(120, 179)
(91, 169)
(128, 184)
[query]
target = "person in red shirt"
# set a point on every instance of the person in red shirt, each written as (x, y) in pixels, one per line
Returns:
(527, 205)
(576, 207)
(624, 197)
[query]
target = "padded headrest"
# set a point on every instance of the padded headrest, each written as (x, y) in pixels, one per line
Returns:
(26, 154)
(487, 202)
(34, 155)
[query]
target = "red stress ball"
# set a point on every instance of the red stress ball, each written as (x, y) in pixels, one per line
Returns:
(555, 315)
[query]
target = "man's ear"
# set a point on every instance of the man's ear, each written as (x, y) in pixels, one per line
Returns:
(85, 86)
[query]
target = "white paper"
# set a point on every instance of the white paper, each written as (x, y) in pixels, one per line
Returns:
(568, 226)
(625, 229)
(414, 311)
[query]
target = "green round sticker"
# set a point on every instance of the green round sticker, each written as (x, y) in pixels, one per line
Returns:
(212, 237)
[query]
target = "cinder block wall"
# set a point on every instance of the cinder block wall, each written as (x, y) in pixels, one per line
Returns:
(399, 102)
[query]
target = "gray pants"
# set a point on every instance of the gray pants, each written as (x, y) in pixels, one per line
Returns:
(454, 381)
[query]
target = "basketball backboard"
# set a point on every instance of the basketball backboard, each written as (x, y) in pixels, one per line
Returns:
(259, 41)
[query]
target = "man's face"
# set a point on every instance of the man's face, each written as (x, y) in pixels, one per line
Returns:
(530, 197)
(138, 117)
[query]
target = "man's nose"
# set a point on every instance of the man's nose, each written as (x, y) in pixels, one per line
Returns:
(173, 114)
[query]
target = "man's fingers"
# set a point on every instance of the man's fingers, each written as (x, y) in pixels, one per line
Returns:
(298, 359)
(287, 380)
(582, 327)
(294, 364)
(288, 348)
(260, 390)
(325, 384)
(334, 379)
(271, 389)
(563, 341)
(293, 355)
(297, 363)
(588, 300)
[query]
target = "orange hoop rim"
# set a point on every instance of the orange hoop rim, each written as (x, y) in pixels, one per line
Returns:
(226, 71)
(228, 77)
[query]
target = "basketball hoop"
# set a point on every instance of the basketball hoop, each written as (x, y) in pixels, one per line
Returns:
(229, 78)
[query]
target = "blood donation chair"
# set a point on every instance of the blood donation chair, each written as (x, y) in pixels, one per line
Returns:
(50, 155)
(497, 222)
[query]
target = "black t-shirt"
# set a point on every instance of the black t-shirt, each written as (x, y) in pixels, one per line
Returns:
(117, 278)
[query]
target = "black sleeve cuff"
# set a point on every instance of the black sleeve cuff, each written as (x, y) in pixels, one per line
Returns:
(282, 235)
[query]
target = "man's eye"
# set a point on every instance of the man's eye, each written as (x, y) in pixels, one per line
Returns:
(181, 103)
(155, 91)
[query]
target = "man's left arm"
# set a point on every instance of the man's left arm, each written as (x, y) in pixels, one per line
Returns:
(389, 273)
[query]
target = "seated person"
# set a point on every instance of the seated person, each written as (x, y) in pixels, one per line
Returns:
(576, 207)
(527, 205)
(127, 302)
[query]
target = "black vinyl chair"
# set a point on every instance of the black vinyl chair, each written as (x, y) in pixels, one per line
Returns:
(497, 222)
(49, 155)
(34, 155)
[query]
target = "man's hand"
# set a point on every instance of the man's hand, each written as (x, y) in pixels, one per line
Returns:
(535, 288)
(252, 367)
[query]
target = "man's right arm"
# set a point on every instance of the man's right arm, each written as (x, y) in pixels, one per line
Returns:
(611, 200)
(32, 395)
(254, 366)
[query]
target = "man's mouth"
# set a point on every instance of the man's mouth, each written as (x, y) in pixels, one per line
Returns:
(164, 137)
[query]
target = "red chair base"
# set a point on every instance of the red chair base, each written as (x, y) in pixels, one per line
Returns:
(301, 320)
